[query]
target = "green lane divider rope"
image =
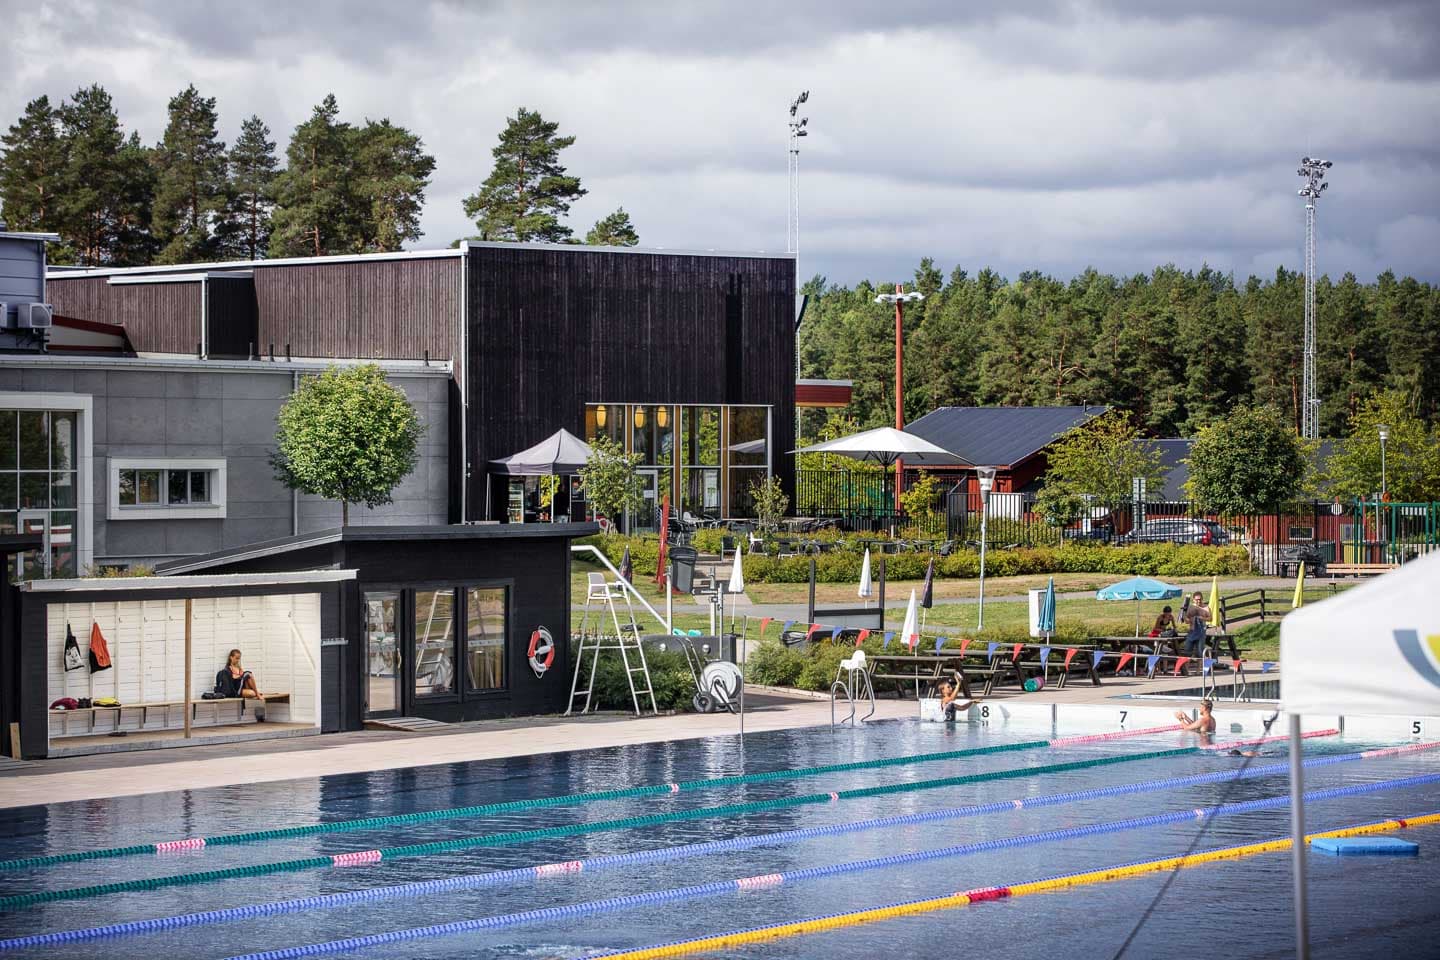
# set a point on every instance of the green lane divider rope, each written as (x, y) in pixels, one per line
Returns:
(513, 806)
(547, 833)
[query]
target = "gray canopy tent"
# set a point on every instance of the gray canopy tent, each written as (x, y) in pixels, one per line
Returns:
(560, 454)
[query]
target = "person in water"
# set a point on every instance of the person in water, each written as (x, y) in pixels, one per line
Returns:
(1204, 724)
(950, 700)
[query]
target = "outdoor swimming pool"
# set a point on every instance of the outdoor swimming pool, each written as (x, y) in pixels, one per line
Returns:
(1031, 788)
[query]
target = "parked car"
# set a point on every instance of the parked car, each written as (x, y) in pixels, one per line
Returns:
(1178, 530)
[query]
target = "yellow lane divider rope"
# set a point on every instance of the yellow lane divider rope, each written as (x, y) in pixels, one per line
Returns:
(876, 914)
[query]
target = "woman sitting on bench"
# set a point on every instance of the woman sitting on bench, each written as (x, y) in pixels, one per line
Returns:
(233, 680)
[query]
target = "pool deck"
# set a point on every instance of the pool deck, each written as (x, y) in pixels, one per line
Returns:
(65, 779)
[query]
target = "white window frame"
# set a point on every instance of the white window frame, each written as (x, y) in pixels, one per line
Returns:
(83, 405)
(214, 510)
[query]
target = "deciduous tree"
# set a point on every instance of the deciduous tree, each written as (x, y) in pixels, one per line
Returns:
(1412, 453)
(1251, 462)
(346, 435)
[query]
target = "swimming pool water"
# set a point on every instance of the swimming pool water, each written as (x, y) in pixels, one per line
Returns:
(1236, 909)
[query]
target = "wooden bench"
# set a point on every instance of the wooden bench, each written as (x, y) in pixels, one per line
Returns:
(145, 709)
(1358, 569)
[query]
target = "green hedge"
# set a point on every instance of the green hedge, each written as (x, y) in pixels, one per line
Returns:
(1146, 559)
(670, 678)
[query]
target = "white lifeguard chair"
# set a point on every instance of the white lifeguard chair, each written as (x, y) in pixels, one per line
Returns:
(856, 681)
(600, 597)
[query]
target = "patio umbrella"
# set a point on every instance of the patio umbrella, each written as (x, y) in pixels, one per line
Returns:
(737, 586)
(1047, 609)
(884, 445)
(909, 632)
(627, 566)
(1215, 601)
(1137, 589)
(867, 588)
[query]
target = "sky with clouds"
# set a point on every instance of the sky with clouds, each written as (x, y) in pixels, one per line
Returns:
(1057, 135)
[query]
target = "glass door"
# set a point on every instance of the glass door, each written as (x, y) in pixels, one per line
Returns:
(647, 519)
(382, 653)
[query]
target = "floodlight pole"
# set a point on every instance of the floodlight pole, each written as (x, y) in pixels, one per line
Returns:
(797, 126)
(1313, 170)
(986, 476)
(1384, 490)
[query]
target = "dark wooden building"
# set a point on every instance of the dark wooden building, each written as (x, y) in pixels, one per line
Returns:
(685, 357)
(438, 621)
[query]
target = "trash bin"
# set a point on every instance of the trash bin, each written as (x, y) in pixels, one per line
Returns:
(682, 568)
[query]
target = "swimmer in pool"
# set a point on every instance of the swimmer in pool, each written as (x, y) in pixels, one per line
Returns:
(1204, 724)
(950, 700)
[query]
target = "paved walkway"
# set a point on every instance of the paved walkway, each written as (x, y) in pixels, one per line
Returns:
(192, 768)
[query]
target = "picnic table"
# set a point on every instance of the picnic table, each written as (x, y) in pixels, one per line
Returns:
(1006, 665)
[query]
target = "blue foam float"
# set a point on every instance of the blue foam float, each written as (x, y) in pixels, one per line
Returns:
(1366, 846)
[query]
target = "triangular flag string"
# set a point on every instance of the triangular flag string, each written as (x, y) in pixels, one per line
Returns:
(1124, 659)
(1070, 655)
(860, 637)
(1180, 665)
(764, 622)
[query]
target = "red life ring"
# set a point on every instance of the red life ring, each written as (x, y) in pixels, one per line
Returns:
(542, 651)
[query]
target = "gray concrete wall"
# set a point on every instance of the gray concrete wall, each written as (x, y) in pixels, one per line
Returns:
(151, 412)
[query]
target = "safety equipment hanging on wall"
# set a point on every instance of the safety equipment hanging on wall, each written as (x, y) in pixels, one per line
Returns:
(99, 650)
(542, 651)
(74, 659)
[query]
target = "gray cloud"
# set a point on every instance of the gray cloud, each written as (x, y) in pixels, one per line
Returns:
(1119, 134)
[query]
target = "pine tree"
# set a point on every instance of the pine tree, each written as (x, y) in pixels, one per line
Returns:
(31, 169)
(392, 171)
(315, 210)
(244, 230)
(528, 191)
(190, 180)
(614, 230)
(1350, 360)
(107, 187)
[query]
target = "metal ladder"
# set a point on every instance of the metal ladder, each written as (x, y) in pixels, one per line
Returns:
(593, 644)
(609, 603)
(847, 687)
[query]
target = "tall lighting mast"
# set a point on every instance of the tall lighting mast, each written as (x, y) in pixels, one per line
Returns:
(1313, 171)
(792, 222)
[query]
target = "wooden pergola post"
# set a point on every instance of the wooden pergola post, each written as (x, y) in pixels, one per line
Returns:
(188, 668)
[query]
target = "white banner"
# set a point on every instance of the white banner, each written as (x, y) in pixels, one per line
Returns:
(1373, 650)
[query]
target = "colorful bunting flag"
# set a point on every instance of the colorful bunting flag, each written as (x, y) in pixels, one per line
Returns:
(1265, 666)
(1124, 659)
(1207, 664)
(1150, 662)
(1015, 653)
(1096, 656)
(811, 632)
(764, 622)
(1180, 664)
(888, 635)
(1070, 655)
(990, 652)
(964, 642)
(940, 643)
(860, 637)
(835, 634)
(786, 628)
(1235, 664)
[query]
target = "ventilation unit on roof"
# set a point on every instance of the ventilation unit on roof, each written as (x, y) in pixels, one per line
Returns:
(35, 316)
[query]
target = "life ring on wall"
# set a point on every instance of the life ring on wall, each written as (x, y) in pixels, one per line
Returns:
(542, 651)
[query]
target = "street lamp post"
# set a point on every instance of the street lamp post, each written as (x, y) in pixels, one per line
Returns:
(987, 480)
(899, 298)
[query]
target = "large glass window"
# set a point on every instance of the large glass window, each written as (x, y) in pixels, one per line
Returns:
(434, 642)
(39, 484)
(485, 638)
(605, 420)
(382, 652)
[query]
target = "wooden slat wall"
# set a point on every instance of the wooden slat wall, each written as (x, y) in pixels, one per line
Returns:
(233, 317)
(160, 317)
(552, 330)
(381, 309)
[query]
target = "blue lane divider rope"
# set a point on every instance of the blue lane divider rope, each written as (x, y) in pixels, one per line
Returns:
(514, 806)
(571, 911)
(360, 857)
(662, 855)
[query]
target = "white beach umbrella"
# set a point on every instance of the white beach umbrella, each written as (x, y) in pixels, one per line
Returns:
(867, 587)
(737, 575)
(883, 444)
(909, 633)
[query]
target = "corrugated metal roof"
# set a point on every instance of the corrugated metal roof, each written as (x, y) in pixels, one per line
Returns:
(996, 436)
(1173, 454)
